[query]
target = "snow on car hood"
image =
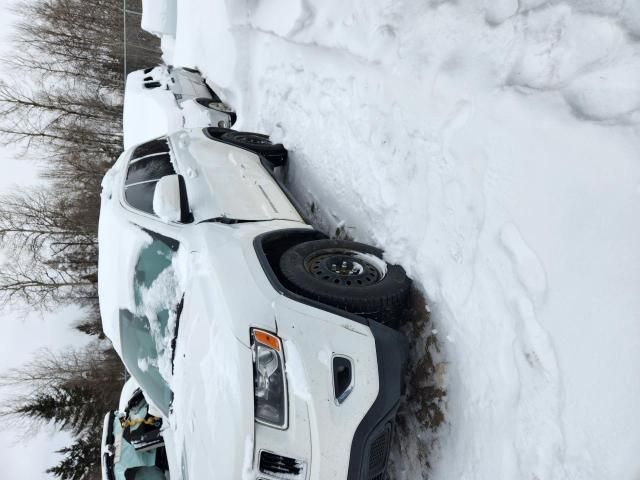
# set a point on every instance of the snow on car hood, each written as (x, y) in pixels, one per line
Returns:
(224, 181)
(212, 409)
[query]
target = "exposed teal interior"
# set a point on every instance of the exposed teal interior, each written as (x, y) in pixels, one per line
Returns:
(128, 457)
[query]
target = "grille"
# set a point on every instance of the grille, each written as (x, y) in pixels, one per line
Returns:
(279, 465)
(379, 454)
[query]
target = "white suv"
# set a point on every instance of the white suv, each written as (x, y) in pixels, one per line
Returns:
(262, 342)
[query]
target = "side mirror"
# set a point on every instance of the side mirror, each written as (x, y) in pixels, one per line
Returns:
(170, 199)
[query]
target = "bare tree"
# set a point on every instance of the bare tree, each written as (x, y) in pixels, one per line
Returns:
(83, 37)
(59, 121)
(53, 247)
(35, 218)
(43, 286)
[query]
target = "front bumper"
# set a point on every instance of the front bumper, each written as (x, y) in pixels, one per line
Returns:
(332, 440)
(372, 439)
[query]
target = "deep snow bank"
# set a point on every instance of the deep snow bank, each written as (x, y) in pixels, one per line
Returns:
(159, 16)
(491, 147)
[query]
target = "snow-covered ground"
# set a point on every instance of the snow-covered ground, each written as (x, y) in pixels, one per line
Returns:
(491, 148)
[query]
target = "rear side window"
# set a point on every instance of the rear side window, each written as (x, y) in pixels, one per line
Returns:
(150, 162)
(158, 145)
(153, 167)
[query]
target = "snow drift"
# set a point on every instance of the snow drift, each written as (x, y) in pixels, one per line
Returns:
(490, 147)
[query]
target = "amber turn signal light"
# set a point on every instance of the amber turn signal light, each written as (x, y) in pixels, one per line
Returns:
(267, 339)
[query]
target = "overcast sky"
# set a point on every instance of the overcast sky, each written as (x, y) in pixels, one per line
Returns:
(20, 337)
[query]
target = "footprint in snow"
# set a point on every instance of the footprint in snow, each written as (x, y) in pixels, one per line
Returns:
(528, 266)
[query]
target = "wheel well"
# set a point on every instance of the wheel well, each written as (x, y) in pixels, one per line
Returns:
(274, 244)
(216, 132)
(270, 247)
(275, 156)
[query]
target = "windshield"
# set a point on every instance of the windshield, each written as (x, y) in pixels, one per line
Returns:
(147, 334)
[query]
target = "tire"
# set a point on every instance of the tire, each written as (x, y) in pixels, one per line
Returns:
(360, 285)
(258, 143)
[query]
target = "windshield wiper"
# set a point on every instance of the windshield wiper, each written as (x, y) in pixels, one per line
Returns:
(228, 221)
(174, 340)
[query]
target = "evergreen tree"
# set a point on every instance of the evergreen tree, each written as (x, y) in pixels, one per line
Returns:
(68, 408)
(78, 459)
(72, 391)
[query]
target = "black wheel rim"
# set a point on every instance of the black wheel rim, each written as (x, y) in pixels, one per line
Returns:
(345, 267)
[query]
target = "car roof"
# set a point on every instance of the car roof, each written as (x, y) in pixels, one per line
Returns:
(119, 245)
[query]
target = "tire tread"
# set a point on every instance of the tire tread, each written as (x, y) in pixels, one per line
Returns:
(383, 301)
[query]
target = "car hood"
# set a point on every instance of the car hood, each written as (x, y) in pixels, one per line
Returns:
(212, 415)
(224, 280)
(227, 182)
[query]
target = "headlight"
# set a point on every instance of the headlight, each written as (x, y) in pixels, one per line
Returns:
(269, 381)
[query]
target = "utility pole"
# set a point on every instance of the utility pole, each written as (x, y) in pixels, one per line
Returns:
(125, 10)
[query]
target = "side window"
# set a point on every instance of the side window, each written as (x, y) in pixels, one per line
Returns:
(152, 167)
(150, 162)
(148, 334)
(140, 196)
(158, 145)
